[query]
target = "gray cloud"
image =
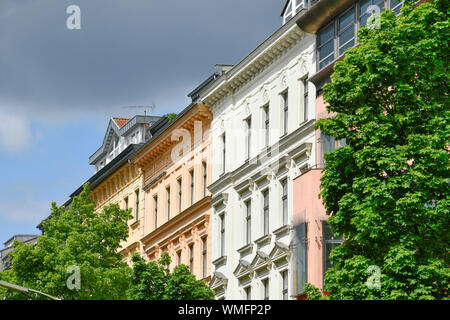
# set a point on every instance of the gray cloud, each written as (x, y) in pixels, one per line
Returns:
(129, 52)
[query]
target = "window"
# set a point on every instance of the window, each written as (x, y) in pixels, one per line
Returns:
(137, 205)
(249, 136)
(168, 203)
(327, 144)
(266, 124)
(326, 46)
(340, 34)
(223, 152)
(192, 186)
(329, 243)
(305, 100)
(266, 211)
(346, 31)
(284, 199)
(126, 203)
(180, 185)
(205, 256)
(395, 6)
(248, 293)
(301, 255)
(155, 202)
(205, 176)
(222, 234)
(179, 257)
(284, 276)
(292, 9)
(265, 283)
(364, 10)
(191, 258)
(248, 221)
(285, 97)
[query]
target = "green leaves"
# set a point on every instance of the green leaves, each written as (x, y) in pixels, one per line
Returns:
(75, 237)
(387, 190)
(154, 281)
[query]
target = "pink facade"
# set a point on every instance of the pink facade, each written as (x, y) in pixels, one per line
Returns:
(309, 214)
(308, 209)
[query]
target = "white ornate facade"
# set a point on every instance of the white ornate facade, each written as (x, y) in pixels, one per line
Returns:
(263, 134)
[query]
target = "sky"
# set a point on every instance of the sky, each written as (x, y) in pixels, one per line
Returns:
(60, 87)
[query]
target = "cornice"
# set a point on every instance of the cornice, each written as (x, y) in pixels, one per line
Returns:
(266, 53)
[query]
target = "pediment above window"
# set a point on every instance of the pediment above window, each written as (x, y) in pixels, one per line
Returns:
(218, 282)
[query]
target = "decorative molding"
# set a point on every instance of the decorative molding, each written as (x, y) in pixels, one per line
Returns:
(220, 261)
(264, 240)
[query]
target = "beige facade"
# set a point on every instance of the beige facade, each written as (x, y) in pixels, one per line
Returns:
(176, 168)
(124, 188)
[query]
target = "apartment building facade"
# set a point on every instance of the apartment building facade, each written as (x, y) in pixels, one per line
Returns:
(334, 24)
(176, 168)
(262, 135)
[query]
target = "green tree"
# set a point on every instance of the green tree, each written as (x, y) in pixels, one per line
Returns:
(76, 237)
(387, 189)
(154, 281)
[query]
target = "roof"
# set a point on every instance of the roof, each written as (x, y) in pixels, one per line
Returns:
(27, 237)
(126, 125)
(121, 121)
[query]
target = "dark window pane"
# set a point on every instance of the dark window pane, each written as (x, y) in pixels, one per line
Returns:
(345, 36)
(364, 5)
(326, 62)
(326, 34)
(348, 45)
(347, 19)
(326, 49)
(394, 3)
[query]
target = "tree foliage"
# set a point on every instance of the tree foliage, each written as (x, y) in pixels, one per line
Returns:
(75, 237)
(154, 281)
(387, 189)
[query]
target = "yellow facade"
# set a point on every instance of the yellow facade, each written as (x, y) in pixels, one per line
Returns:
(125, 183)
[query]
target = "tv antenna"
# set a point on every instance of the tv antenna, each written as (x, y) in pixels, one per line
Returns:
(150, 107)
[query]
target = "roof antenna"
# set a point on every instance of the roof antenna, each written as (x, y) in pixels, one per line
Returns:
(150, 107)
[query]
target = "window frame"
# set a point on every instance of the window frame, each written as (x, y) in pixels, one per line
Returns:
(355, 6)
(248, 221)
(205, 256)
(155, 210)
(285, 284)
(191, 258)
(180, 194)
(205, 177)
(192, 177)
(266, 212)
(222, 234)
(284, 200)
(168, 202)
(137, 194)
(285, 99)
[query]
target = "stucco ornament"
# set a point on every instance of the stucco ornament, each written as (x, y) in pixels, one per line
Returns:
(265, 94)
(283, 80)
(247, 111)
(303, 62)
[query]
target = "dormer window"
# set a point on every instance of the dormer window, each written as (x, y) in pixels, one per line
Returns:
(292, 8)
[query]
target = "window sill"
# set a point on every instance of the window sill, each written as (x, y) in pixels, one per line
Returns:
(135, 224)
(263, 240)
